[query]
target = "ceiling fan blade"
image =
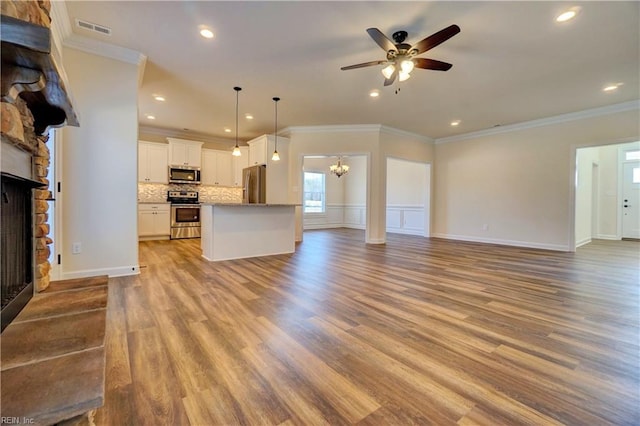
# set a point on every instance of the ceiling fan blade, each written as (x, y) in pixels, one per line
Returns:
(431, 64)
(389, 81)
(435, 39)
(381, 39)
(366, 64)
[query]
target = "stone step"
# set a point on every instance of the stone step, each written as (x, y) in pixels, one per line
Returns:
(52, 337)
(47, 392)
(53, 355)
(76, 284)
(56, 303)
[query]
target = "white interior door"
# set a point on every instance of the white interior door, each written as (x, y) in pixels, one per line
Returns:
(631, 200)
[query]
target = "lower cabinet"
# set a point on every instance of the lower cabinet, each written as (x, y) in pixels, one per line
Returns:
(154, 220)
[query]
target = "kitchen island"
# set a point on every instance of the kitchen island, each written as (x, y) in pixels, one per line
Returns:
(238, 230)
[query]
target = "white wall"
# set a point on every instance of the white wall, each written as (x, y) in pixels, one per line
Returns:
(587, 193)
(407, 195)
(99, 175)
(520, 184)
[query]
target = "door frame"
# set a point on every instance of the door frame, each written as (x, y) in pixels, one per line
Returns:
(621, 162)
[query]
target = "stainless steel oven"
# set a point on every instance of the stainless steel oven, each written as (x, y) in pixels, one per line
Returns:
(185, 214)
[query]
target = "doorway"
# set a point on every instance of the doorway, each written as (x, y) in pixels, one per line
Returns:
(604, 180)
(631, 199)
(332, 201)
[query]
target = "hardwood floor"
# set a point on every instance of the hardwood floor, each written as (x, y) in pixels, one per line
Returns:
(417, 331)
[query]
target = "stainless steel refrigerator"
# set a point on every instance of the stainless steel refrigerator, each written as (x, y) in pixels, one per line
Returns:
(254, 184)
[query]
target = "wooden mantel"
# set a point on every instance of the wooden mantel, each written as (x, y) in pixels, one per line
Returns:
(29, 71)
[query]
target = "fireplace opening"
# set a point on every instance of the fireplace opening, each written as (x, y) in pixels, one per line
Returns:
(16, 250)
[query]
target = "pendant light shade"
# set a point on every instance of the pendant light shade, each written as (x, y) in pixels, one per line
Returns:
(276, 156)
(236, 149)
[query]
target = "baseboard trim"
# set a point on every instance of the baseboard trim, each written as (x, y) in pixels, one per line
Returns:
(583, 242)
(514, 243)
(607, 237)
(111, 272)
(417, 232)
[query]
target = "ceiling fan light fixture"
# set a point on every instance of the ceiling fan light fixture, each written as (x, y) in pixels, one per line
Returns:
(407, 65)
(403, 76)
(388, 70)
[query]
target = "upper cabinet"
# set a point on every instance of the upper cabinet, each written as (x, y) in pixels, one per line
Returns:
(240, 163)
(260, 152)
(185, 153)
(261, 149)
(153, 161)
(217, 168)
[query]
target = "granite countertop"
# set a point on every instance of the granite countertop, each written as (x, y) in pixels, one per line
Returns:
(154, 202)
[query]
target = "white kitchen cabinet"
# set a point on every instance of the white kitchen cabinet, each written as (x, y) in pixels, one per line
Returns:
(154, 220)
(185, 153)
(217, 167)
(240, 163)
(260, 152)
(153, 161)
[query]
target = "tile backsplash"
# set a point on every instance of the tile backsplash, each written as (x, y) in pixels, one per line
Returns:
(157, 192)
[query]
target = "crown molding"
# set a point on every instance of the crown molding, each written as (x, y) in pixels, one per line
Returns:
(558, 119)
(107, 50)
(404, 133)
(63, 35)
(330, 128)
(354, 128)
(60, 24)
(181, 134)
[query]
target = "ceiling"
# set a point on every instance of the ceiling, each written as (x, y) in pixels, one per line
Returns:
(512, 62)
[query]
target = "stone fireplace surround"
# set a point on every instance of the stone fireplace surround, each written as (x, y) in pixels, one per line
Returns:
(53, 358)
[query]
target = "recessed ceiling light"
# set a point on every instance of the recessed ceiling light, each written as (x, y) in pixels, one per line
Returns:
(227, 130)
(206, 32)
(455, 122)
(374, 93)
(150, 117)
(611, 87)
(159, 98)
(568, 14)
(248, 116)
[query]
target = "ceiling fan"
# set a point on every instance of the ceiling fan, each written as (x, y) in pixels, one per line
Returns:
(401, 58)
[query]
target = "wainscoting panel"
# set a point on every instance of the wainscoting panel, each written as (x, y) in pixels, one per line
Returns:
(355, 216)
(405, 219)
(400, 219)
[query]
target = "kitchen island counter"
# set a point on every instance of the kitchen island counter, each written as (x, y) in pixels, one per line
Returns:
(237, 230)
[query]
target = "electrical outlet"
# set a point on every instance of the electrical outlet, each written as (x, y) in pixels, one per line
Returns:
(76, 248)
(485, 227)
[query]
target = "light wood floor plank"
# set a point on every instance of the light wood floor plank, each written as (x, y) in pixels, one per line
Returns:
(415, 331)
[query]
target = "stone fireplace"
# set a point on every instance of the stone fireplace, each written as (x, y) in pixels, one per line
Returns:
(34, 98)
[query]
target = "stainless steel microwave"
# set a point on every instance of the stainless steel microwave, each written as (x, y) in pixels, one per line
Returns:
(184, 174)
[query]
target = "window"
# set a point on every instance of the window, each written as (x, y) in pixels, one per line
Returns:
(632, 155)
(314, 192)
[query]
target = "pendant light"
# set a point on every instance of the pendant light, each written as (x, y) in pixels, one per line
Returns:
(236, 149)
(276, 156)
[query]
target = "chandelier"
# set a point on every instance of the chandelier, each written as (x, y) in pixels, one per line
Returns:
(339, 169)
